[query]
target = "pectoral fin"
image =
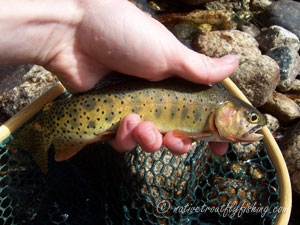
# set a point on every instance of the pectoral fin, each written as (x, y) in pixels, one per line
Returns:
(107, 135)
(200, 136)
(65, 150)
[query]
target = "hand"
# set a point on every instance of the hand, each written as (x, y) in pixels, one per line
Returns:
(82, 41)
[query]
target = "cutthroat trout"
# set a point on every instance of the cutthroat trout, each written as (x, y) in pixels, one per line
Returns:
(190, 110)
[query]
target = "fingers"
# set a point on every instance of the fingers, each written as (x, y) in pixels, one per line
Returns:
(218, 148)
(176, 145)
(124, 140)
(148, 137)
(132, 132)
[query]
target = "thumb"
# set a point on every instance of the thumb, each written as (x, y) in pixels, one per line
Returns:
(200, 68)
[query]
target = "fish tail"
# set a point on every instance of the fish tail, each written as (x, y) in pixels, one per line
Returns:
(35, 140)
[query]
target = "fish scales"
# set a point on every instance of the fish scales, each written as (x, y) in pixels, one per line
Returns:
(172, 105)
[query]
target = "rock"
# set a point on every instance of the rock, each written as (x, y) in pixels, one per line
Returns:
(276, 36)
(249, 28)
(283, 13)
(194, 2)
(282, 107)
(36, 82)
(295, 180)
(272, 122)
(257, 77)
(259, 5)
(217, 19)
(184, 31)
(246, 151)
(11, 76)
(220, 43)
(290, 147)
(289, 63)
(295, 88)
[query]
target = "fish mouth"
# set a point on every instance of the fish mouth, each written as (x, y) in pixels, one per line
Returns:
(252, 135)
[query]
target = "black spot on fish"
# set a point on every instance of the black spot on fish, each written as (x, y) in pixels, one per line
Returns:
(89, 104)
(197, 114)
(158, 112)
(184, 113)
(92, 124)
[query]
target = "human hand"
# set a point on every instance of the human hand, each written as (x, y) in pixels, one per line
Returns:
(91, 38)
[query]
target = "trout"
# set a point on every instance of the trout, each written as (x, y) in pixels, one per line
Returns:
(189, 110)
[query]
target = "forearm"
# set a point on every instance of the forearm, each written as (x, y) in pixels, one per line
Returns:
(33, 31)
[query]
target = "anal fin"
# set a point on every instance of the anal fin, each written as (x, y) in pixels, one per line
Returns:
(65, 150)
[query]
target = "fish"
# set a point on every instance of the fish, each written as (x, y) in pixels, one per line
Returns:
(190, 110)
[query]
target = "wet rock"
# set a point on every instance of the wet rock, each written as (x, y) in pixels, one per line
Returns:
(290, 147)
(184, 31)
(220, 43)
(272, 122)
(257, 77)
(289, 63)
(36, 82)
(283, 13)
(276, 36)
(282, 107)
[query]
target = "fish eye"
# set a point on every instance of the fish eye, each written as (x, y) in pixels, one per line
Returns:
(253, 118)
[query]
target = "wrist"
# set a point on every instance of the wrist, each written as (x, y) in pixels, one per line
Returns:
(34, 31)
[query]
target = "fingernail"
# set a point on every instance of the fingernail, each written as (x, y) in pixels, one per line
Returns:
(229, 58)
(132, 123)
(150, 137)
(179, 146)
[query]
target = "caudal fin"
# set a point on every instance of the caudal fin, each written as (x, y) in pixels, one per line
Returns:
(33, 139)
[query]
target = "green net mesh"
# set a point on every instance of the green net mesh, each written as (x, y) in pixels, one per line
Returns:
(101, 186)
